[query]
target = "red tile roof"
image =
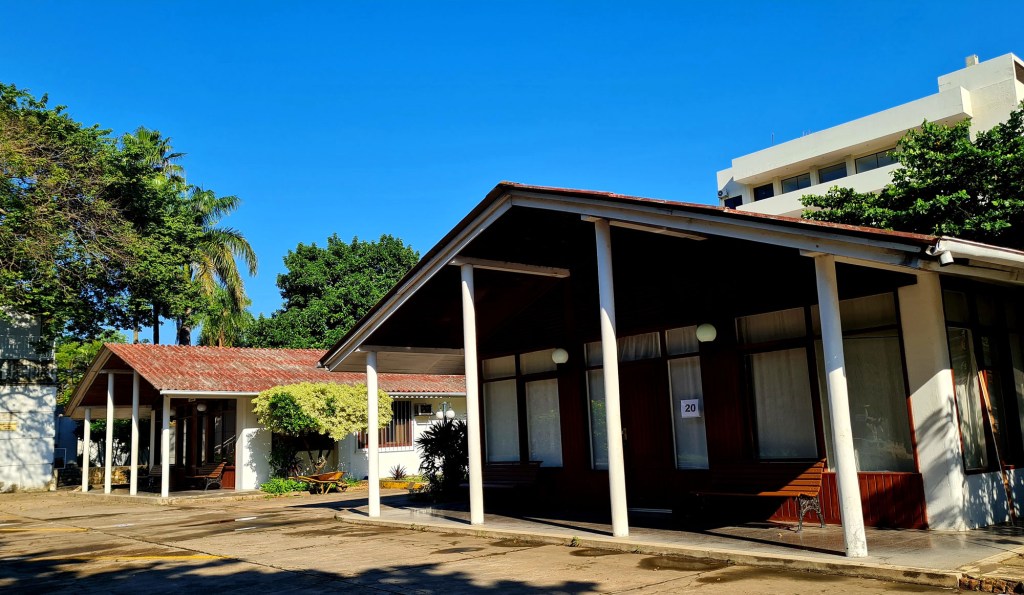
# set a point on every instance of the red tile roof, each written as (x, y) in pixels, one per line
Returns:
(234, 369)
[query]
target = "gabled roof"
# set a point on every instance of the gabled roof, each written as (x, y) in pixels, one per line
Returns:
(180, 368)
(861, 245)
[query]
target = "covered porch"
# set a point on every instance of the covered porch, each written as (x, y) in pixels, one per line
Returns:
(640, 349)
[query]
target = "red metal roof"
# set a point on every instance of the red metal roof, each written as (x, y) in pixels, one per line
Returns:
(234, 369)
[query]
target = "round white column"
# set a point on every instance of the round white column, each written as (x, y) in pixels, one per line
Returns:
(373, 433)
(86, 448)
(133, 481)
(476, 481)
(108, 455)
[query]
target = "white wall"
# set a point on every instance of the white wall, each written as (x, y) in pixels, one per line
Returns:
(252, 448)
(26, 449)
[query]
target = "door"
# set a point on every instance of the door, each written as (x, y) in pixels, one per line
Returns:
(646, 433)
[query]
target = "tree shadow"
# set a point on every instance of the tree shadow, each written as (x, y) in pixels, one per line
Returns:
(65, 569)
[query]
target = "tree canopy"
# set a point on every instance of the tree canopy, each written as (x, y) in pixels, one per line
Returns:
(949, 185)
(328, 289)
(99, 231)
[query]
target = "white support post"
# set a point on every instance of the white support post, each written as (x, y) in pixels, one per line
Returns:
(476, 480)
(373, 433)
(108, 453)
(86, 448)
(610, 357)
(133, 481)
(839, 407)
(165, 449)
(152, 438)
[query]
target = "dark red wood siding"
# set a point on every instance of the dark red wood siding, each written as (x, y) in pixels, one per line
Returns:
(888, 500)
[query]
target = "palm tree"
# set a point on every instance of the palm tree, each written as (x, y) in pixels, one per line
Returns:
(222, 325)
(154, 151)
(219, 250)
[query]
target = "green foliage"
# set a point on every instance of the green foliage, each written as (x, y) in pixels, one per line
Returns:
(444, 455)
(327, 290)
(282, 485)
(948, 185)
(73, 358)
(398, 472)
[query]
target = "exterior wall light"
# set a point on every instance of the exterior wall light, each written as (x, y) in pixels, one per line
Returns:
(201, 407)
(445, 411)
(706, 333)
(559, 356)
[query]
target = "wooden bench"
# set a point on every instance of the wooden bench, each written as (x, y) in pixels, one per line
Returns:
(509, 476)
(323, 482)
(153, 478)
(210, 474)
(771, 480)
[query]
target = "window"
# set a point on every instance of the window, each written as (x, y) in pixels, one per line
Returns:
(763, 192)
(779, 380)
(832, 172)
(875, 160)
(796, 183)
(399, 431)
(732, 202)
(520, 396)
(875, 383)
(690, 436)
(968, 398)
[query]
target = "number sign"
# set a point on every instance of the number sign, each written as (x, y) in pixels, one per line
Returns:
(689, 408)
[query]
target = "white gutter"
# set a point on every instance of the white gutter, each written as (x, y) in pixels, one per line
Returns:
(976, 251)
(204, 393)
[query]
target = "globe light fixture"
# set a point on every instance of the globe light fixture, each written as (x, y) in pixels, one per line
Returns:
(706, 333)
(201, 407)
(450, 414)
(559, 356)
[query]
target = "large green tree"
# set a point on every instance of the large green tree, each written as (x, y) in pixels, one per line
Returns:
(328, 289)
(949, 185)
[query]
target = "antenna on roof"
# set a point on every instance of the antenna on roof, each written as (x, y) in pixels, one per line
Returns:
(971, 60)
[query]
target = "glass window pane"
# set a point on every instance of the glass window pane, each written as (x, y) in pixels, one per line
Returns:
(501, 421)
(886, 158)
(763, 192)
(866, 163)
(796, 183)
(499, 367)
(638, 347)
(1017, 357)
(771, 326)
(592, 353)
(782, 394)
(832, 172)
(544, 426)
(968, 398)
(992, 379)
(878, 405)
(688, 414)
(537, 361)
(955, 304)
(987, 309)
(682, 341)
(598, 427)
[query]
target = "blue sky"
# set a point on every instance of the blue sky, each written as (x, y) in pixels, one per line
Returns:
(365, 118)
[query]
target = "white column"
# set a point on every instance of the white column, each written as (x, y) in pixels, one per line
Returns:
(610, 358)
(109, 446)
(373, 433)
(133, 479)
(476, 469)
(86, 448)
(152, 438)
(165, 449)
(939, 454)
(839, 406)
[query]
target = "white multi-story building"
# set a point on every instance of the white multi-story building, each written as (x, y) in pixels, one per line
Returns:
(856, 154)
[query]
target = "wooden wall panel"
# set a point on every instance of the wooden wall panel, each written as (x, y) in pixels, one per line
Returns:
(888, 500)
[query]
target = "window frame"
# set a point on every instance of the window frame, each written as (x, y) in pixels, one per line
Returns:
(834, 166)
(799, 178)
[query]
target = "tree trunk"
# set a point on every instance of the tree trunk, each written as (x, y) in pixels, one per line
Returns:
(156, 325)
(184, 333)
(135, 334)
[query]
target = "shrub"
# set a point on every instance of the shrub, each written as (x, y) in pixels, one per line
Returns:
(398, 472)
(445, 455)
(280, 485)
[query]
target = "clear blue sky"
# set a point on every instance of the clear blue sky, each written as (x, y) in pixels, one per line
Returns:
(365, 118)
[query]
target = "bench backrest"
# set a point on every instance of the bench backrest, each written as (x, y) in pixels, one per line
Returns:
(777, 478)
(212, 470)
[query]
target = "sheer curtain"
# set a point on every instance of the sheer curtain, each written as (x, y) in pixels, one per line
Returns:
(501, 419)
(690, 435)
(782, 393)
(598, 429)
(544, 424)
(968, 398)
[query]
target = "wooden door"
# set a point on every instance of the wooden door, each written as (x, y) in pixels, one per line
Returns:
(647, 433)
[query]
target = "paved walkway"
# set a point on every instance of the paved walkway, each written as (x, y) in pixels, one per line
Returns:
(927, 557)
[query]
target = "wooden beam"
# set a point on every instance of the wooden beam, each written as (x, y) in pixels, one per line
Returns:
(655, 229)
(511, 267)
(395, 349)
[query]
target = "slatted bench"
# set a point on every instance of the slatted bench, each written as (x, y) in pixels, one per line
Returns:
(210, 474)
(771, 480)
(510, 476)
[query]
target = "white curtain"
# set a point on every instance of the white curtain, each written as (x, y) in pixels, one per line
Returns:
(681, 341)
(771, 326)
(544, 425)
(968, 398)
(690, 435)
(630, 349)
(785, 417)
(499, 367)
(537, 361)
(598, 427)
(501, 421)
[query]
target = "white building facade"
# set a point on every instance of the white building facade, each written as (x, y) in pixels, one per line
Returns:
(28, 398)
(856, 154)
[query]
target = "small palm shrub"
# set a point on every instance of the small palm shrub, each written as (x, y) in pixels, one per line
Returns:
(444, 452)
(398, 472)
